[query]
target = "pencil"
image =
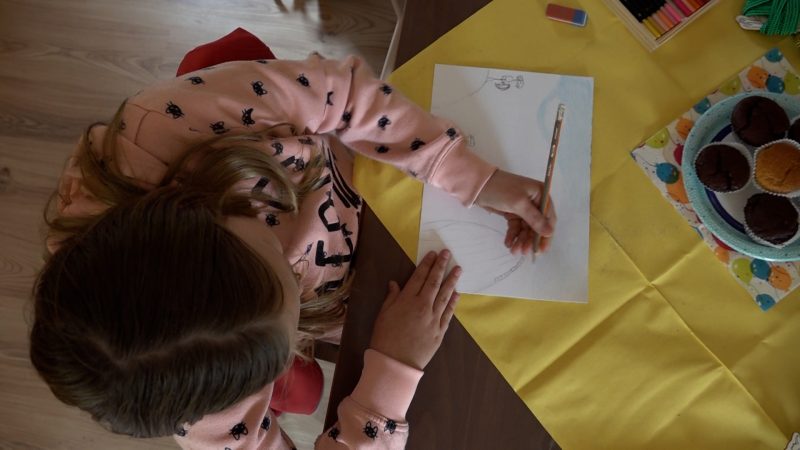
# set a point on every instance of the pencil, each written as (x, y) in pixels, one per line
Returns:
(684, 9)
(551, 164)
(651, 28)
(663, 27)
(676, 16)
(662, 13)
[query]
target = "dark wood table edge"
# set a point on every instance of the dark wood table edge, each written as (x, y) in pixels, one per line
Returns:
(486, 411)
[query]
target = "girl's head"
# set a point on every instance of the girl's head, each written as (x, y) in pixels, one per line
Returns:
(176, 302)
(163, 312)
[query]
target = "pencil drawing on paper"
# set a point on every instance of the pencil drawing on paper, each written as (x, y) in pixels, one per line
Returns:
(503, 82)
(483, 263)
(506, 81)
(506, 118)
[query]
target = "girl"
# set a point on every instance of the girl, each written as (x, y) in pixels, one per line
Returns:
(202, 238)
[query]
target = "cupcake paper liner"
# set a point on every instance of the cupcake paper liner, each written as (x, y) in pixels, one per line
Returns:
(736, 134)
(742, 148)
(754, 167)
(791, 122)
(762, 241)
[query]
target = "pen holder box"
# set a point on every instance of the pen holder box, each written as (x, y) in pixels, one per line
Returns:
(640, 30)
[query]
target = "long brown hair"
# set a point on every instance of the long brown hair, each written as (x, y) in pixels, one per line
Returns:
(157, 316)
(214, 167)
(151, 314)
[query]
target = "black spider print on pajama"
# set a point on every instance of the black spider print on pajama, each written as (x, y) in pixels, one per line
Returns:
(386, 89)
(174, 110)
(391, 425)
(370, 430)
(451, 133)
(258, 88)
(218, 127)
(247, 118)
(417, 144)
(328, 100)
(278, 147)
(306, 140)
(265, 423)
(303, 80)
(196, 80)
(260, 185)
(383, 122)
(272, 220)
(238, 430)
(381, 149)
(347, 116)
(333, 433)
(298, 163)
(181, 432)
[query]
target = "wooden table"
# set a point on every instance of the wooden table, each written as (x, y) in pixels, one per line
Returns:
(462, 401)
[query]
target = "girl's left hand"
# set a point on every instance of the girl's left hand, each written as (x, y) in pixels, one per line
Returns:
(517, 199)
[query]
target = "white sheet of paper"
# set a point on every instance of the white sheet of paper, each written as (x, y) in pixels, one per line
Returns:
(507, 118)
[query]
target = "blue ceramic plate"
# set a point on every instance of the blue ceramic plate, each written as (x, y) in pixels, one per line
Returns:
(723, 214)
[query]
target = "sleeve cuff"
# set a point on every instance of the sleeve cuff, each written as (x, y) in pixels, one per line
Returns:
(462, 173)
(386, 386)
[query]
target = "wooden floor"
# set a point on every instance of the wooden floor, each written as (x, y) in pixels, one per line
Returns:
(67, 63)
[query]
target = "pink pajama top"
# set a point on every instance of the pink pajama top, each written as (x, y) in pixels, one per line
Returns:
(332, 106)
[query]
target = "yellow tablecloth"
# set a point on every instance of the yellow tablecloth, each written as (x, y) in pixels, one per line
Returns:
(670, 352)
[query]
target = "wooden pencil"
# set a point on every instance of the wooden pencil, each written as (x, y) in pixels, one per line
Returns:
(551, 164)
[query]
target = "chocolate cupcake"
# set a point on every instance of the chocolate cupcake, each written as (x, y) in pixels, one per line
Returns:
(771, 220)
(723, 167)
(758, 120)
(794, 130)
(777, 167)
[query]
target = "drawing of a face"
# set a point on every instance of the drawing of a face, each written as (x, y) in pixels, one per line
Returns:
(506, 81)
(731, 86)
(658, 140)
(678, 154)
(502, 85)
(757, 77)
(779, 278)
(683, 127)
(791, 83)
(702, 106)
(775, 84)
(677, 192)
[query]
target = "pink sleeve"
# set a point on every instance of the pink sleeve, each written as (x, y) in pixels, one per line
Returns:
(316, 96)
(373, 417)
(380, 123)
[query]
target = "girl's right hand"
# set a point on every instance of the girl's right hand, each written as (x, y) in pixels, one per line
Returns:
(412, 321)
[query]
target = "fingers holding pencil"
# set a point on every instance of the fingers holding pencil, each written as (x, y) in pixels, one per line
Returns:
(525, 203)
(518, 200)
